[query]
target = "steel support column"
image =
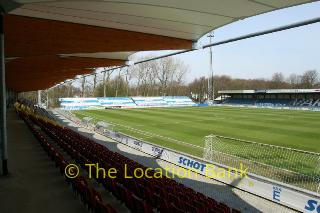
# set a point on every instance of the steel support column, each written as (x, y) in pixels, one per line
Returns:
(39, 97)
(3, 105)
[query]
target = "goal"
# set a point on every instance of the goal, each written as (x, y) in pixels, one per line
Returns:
(287, 165)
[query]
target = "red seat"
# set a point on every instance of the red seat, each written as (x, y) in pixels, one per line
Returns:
(175, 209)
(91, 198)
(104, 208)
(164, 207)
(140, 205)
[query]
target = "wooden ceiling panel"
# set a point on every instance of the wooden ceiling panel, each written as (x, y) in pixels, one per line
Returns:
(35, 45)
(27, 36)
(40, 82)
(36, 70)
(48, 63)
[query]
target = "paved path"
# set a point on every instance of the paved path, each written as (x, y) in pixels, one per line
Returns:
(34, 184)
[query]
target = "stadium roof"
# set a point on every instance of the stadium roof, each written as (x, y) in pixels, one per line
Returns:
(49, 41)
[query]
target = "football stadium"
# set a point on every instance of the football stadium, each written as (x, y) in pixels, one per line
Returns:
(101, 113)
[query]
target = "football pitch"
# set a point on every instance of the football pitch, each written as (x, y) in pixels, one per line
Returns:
(174, 127)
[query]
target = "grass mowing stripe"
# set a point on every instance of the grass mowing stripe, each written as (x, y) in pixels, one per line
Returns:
(176, 115)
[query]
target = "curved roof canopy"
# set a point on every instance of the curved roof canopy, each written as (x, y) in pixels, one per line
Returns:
(48, 41)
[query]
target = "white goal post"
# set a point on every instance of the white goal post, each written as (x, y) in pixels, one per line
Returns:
(287, 165)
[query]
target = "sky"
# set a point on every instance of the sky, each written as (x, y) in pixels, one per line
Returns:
(290, 51)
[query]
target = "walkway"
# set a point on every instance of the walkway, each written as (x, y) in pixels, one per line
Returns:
(34, 183)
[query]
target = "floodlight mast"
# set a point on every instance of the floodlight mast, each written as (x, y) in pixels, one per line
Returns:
(211, 35)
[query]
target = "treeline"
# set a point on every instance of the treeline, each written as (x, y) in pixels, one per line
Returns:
(161, 77)
(166, 77)
(308, 80)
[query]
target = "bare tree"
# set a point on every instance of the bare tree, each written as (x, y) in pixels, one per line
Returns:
(309, 79)
(128, 78)
(199, 88)
(178, 78)
(166, 70)
(106, 78)
(62, 91)
(294, 81)
(277, 80)
(83, 86)
(139, 72)
(69, 89)
(104, 84)
(94, 82)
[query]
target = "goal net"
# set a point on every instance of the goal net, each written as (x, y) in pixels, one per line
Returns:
(291, 166)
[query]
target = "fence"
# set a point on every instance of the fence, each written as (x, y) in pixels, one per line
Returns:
(290, 166)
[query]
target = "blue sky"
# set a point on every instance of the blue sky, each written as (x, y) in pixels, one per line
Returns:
(291, 51)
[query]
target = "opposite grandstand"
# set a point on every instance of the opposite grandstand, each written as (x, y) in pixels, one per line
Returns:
(293, 98)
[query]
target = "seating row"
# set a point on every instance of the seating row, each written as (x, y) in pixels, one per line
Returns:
(138, 194)
(88, 195)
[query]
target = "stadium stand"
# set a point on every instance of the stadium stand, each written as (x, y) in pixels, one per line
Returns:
(299, 98)
(305, 102)
(85, 103)
(179, 101)
(150, 101)
(239, 101)
(78, 103)
(138, 194)
(116, 102)
(124, 102)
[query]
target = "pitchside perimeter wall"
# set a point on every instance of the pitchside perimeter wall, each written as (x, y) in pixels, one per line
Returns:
(272, 190)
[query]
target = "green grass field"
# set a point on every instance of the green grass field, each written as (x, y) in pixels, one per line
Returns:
(289, 128)
(177, 128)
